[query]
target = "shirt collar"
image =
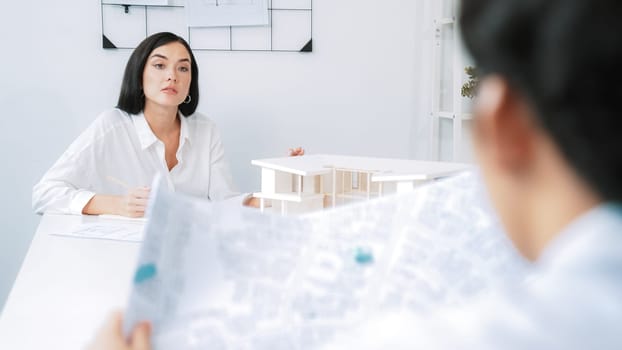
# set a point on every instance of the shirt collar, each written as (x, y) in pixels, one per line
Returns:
(148, 138)
(588, 235)
(184, 133)
(145, 134)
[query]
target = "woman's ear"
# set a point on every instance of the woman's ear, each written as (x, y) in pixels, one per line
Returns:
(503, 126)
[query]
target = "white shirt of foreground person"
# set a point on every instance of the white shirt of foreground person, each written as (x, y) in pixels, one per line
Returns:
(119, 148)
(572, 301)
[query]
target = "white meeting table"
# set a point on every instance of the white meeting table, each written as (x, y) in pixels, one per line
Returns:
(66, 287)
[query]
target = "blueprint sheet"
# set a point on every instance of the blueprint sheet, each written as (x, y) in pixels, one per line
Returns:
(212, 275)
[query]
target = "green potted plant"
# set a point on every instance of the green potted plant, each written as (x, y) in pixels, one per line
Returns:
(469, 89)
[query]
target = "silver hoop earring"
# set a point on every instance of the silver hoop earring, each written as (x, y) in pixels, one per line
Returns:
(188, 99)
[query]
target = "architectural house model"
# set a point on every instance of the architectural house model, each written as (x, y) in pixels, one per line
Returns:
(313, 182)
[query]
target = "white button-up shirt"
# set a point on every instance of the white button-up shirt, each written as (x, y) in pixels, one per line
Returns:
(121, 146)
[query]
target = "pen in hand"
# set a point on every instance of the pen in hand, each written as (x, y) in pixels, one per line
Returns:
(118, 182)
(134, 203)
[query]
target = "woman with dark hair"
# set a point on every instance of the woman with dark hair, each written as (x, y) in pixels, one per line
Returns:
(153, 130)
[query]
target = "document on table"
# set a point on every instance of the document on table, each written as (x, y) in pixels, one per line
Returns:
(110, 230)
(210, 275)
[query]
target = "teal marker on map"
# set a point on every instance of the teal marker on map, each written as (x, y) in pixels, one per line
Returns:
(364, 256)
(144, 272)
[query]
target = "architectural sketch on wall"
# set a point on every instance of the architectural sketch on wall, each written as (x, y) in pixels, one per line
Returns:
(289, 26)
(145, 2)
(225, 13)
(313, 182)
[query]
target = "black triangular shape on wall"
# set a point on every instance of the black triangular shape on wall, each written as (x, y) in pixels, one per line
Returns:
(308, 46)
(107, 43)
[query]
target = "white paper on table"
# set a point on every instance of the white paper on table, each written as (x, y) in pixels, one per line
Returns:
(225, 13)
(116, 231)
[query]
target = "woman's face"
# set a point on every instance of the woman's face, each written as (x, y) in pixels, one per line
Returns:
(167, 75)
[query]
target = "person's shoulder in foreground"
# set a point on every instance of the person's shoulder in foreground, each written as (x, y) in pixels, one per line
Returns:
(572, 301)
(547, 137)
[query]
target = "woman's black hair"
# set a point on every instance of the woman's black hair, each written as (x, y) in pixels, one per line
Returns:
(564, 57)
(132, 97)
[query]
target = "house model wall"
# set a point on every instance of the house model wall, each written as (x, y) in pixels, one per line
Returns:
(313, 182)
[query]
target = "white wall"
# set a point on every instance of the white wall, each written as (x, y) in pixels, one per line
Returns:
(355, 94)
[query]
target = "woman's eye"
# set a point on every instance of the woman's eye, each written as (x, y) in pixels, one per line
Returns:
(158, 65)
(184, 69)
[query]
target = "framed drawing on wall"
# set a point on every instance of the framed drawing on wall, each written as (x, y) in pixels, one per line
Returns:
(288, 24)
(225, 13)
(140, 2)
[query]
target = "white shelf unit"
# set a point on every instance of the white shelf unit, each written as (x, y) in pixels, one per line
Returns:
(451, 113)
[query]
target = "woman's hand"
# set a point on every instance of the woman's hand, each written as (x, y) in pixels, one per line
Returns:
(134, 203)
(295, 152)
(110, 336)
(251, 201)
